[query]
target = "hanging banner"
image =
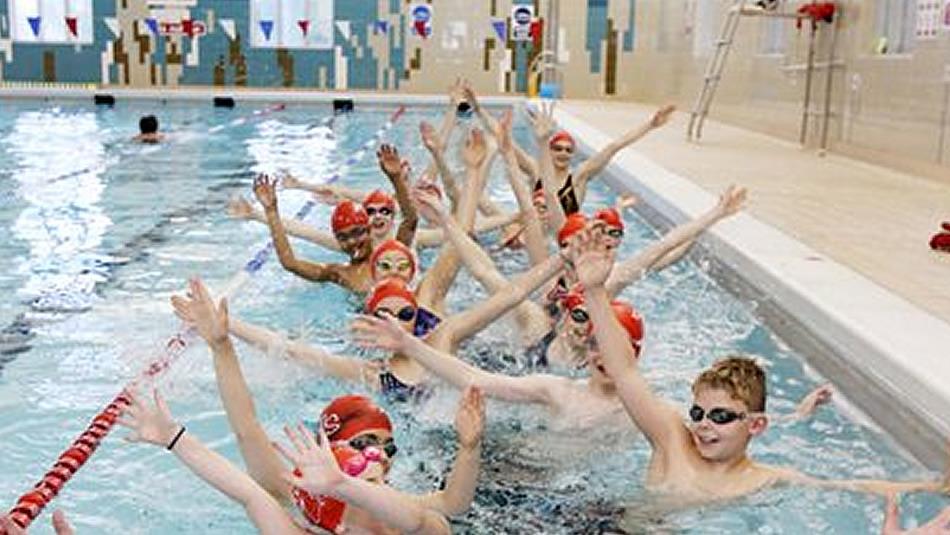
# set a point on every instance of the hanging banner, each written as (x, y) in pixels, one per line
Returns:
(72, 24)
(267, 27)
(521, 18)
(421, 15)
(34, 25)
(501, 29)
(928, 19)
(304, 26)
(188, 27)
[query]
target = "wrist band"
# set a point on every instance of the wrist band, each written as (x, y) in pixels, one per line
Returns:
(175, 440)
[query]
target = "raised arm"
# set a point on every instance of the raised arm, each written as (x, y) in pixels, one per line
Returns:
(656, 418)
(241, 209)
(386, 333)
(527, 164)
(155, 425)
(265, 192)
(331, 194)
(629, 271)
(596, 163)
(347, 368)
(460, 486)
(211, 322)
(868, 486)
(432, 237)
(535, 241)
(433, 143)
(543, 123)
(397, 171)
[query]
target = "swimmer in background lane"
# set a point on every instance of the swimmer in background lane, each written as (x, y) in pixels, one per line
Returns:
(705, 459)
(60, 525)
(148, 131)
(352, 421)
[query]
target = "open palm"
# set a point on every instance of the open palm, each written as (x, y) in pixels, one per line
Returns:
(198, 309)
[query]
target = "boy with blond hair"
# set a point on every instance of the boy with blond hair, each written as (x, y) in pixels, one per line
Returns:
(705, 458)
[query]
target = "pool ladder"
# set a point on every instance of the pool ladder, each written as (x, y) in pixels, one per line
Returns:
(723, 45)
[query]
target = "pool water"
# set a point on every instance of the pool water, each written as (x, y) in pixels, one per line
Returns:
(107, 231)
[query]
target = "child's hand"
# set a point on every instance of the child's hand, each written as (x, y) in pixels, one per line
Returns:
(197, 308)
(475, 150)
(816, 398)
(265, 189)
(319, 471)
(470, 418)
(240, 208)
(152, 424)
(380, 333)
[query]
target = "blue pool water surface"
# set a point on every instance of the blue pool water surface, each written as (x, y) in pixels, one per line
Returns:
(109, 230)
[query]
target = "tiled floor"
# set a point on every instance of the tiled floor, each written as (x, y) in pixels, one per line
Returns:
(871, 219)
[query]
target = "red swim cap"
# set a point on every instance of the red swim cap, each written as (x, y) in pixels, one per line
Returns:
(630, 321)
(609, 216)
(348, 214)
(573, 298)
(392, 245)
(380, 197)
(940, 242)
(348, 416)
(562, 135)
(326, 511)
(389, 287)
(574, 223)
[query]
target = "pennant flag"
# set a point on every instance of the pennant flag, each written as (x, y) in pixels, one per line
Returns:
(344, 27)
(304, 26)
(229, 28)
(152, 25)
(267, 26)
(536, 31)
(71, 23)
(382, 26)
(34, 25)
(188, 27)
(421, 26)
(501, 28)
(113, 24)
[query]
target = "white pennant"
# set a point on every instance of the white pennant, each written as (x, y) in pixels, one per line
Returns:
(344, 27)
(228, 26)
(113, 24)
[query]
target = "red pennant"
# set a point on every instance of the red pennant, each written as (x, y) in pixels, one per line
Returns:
(420, 26)
(304, 26)
(72, 24)
(536, 30)
(188, 27)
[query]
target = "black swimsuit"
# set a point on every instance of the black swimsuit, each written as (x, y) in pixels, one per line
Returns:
(389, 384)
(566, 195)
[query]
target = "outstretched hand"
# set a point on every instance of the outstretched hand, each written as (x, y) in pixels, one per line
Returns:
(475, 150)
(662, 116)
(470, 417)
(153, 425)
(240, 208)
(816, 398)
(319, 472)
(328, 195)
(591, 257)
(430, 138)
(428, 204)
(265, 189)
(468, 93)
(542, 122)
(503, 132)
(731, 201)
(380, 333)
(389, 160)
(291, 182)
(197, 308)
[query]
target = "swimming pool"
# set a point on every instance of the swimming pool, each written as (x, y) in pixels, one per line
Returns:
(85, 211)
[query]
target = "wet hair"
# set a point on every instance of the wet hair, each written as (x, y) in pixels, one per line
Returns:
(148, 124)
(741, 377)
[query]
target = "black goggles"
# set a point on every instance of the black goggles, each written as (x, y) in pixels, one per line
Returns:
(384, 210)
(718, 415)
(580, 315)
(404, 313)
(362, 442)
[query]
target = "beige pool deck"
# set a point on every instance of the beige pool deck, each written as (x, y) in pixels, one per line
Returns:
(833, 251)
(874, 220)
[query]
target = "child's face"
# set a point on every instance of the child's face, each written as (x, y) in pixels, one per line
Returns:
(723, 435)
(394, 264)
(398, 308)
(380, 220)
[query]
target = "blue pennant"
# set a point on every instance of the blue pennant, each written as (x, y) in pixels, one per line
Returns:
(501, 28)
(382, 26)
(34, 25)
(152, 25)
(267, 26)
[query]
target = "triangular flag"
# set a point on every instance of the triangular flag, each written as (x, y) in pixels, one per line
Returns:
(267, 26)
(382, 26)
(71, 23)
(113, 24)
(188, 27)
(421, 26)
(228, 26)
(152, 25)
(304, 26)
(34, 25)
(344, 27)
(501, 28)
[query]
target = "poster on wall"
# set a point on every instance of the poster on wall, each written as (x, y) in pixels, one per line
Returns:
(421, 16)
(928, 19)
(306, 24)
(521, 18)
